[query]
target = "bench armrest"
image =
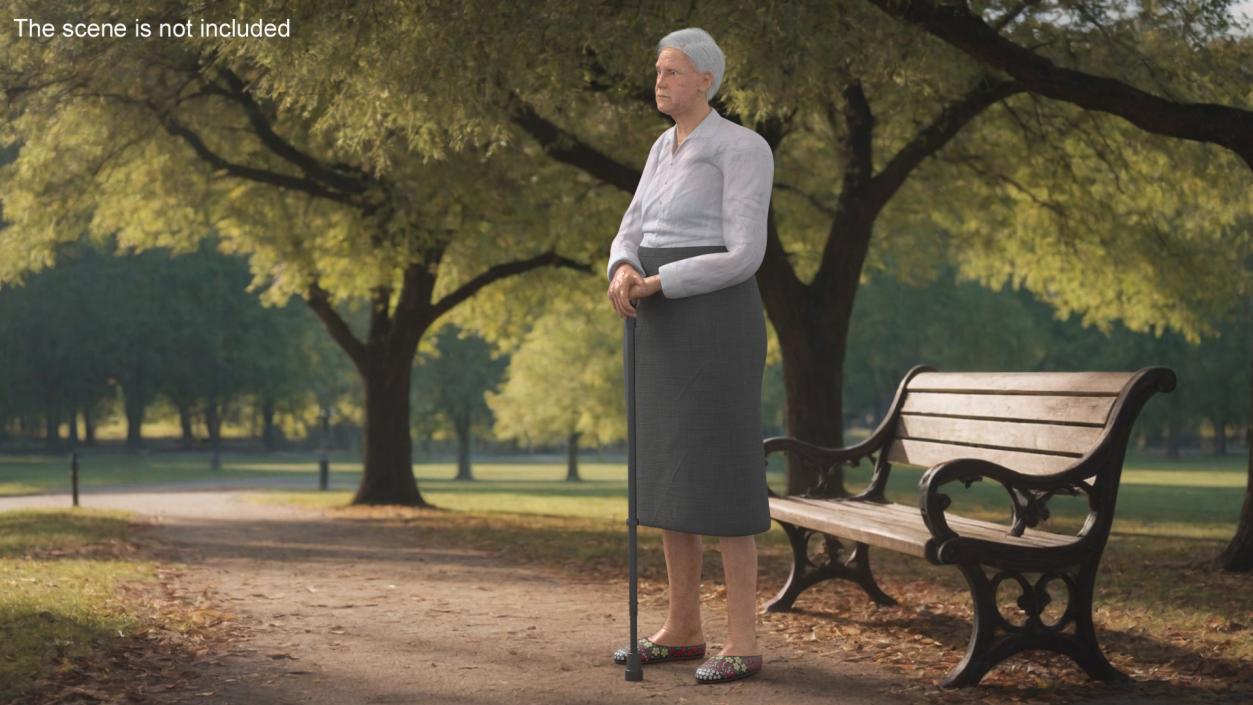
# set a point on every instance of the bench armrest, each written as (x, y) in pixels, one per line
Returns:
(824, 457)
(1028, 493)
(876, 442)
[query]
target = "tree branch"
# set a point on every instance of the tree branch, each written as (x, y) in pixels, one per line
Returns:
(265, 176)
(311, 166)
(934, 136)
(1012, 13)
(320, 301)
(813, 200)
(955, 24)
(566, 147)
(500, 271)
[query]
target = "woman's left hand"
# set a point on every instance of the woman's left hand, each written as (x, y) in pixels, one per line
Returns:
(652, 285)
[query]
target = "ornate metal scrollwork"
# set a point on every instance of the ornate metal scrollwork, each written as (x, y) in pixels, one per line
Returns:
(830, 483)
(1033, 599)
(835, 561)
(995, 638)
(1031, 506)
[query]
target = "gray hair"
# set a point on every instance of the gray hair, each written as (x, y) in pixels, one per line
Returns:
(701, 50)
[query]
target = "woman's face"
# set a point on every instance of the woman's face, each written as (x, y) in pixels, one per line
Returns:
(680, 87)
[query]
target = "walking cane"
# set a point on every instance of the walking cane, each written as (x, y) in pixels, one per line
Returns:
(634, 670)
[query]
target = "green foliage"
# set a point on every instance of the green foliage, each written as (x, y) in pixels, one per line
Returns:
(150, 324)
(960, 325)
(1111, 223)
(566, 377)
(452, 381)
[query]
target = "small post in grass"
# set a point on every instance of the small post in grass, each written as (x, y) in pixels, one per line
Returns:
(324, 461)
(74, 476)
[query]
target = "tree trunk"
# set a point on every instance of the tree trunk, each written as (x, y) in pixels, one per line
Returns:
(813, 376)
(385, 362)
(388, 457)
(812, 324)
(269, 432)
(572, 457)
(1172, 439)
(1220, 437)
(73, 434)
(134, 404)
(89, 426)
(462, 425)
(1238, 556)
(188, 439)
(52, 429)
(213, 419)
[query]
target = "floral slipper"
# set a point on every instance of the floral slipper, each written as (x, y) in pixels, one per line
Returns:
(651, 652)
(720, 669)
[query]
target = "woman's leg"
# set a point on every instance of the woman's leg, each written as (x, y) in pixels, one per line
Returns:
(739, 565)
(684, 555)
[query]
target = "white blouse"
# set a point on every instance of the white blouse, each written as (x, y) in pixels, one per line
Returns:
(715, 190)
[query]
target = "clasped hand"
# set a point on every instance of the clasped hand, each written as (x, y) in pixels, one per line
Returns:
(628, 286)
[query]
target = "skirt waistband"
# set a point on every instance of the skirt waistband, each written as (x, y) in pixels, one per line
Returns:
(701, 249)
(654, 257)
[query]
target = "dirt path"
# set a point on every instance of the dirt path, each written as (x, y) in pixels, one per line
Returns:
(342, 612)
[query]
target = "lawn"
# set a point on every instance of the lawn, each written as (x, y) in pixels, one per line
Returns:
(58, 602)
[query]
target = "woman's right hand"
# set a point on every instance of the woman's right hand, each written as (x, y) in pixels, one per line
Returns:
(625, 278)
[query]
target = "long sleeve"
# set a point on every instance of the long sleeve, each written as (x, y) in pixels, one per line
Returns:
(631, 231)
(748, 179)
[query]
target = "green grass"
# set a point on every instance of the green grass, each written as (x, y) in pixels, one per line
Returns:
(1191, 499)
(57, 605)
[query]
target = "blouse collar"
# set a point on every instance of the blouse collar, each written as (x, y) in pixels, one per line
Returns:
(713, 116)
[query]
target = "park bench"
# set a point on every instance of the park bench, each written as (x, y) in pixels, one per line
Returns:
(1038, 434)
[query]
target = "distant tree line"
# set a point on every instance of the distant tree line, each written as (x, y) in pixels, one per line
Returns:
(964, 326)
(103, 334)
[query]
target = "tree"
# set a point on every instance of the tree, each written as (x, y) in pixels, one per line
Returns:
(460, 372)
(564, 384)
(353, 193)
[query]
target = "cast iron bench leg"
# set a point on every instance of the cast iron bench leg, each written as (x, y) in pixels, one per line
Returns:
(987, 647)
(856, 568)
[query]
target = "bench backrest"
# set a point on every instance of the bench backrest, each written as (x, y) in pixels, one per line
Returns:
(1032, 422)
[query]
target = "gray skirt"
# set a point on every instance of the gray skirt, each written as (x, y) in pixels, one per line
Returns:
(700, 468)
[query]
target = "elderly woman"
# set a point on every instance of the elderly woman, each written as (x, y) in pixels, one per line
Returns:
(695, 233)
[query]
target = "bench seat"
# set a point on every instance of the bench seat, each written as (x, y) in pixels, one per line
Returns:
(898, 527)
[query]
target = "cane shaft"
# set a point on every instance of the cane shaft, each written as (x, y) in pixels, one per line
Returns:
(634, 670)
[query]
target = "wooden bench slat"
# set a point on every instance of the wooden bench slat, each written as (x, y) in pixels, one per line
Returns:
(1007, 434)
(1018, 407)
(904, 537)
(898, 527)
(926, 453)
(1078, 383)
(896, 515)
